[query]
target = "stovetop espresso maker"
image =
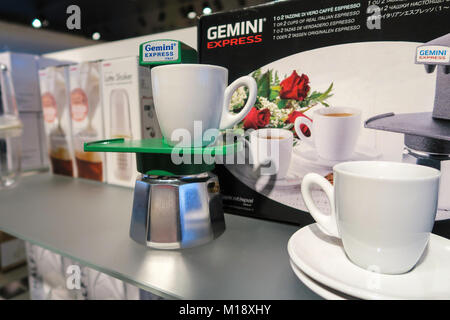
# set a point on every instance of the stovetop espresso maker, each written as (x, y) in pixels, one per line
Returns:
(427, 134)
(176, 205)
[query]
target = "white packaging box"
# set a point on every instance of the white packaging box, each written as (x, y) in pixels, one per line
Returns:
(55, 100)
(100, 286)
(12, 252)
(23, 69)
(34, 149)
(126, 93)
(87, 118)
(48, 275)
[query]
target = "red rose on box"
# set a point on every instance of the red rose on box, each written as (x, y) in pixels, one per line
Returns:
(257, 118)
(295, 87)
(294, 115)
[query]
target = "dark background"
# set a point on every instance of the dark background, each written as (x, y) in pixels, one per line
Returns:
(115, 20)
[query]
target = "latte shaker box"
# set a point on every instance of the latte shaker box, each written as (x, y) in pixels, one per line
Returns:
(127, 98)
(86, 111)
(55, 100)
(323, 69)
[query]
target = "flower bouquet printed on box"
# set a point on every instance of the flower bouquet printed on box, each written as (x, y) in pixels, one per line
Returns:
(279, 102)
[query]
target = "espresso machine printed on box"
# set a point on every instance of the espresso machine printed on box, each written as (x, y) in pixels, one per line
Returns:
(174, 206)
(55, 100)
(309, 57)
(427, 134)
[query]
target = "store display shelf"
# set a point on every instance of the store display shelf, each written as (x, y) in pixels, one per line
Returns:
(89, 222)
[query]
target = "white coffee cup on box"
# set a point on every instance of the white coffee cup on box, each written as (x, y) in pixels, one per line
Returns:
(271, 151)
(383, 211)
(334, 132)
(193, 100)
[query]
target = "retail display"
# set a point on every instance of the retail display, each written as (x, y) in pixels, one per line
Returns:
(318, 114)
(322, 69)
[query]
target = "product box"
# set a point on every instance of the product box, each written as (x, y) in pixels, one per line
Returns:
(22, 75)
(23, 69)
(34, 149)
(128, 113)
(100, 286)
(362, 58)
(87, 118)
(55, 100)
(47, 275)
(12, 252)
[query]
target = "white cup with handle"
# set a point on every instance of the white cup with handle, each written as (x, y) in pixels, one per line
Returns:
(383, 211)
(271, 151)
(334, 132)
(192, 101)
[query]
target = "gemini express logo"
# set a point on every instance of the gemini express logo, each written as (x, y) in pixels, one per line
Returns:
(433, 54)
(160, 49)
(235, 34)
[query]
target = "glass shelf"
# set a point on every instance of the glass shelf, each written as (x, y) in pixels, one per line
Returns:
(89, 222)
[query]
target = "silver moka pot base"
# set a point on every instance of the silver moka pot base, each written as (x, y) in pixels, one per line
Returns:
(177, 212)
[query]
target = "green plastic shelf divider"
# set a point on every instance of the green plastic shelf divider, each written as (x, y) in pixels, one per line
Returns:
(155, 146)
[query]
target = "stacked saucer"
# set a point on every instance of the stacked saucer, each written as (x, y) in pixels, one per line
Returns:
(320, 262)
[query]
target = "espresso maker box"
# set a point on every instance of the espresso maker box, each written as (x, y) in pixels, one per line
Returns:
(87, 118)
(55, 100)
(323, 68)
(127, 110)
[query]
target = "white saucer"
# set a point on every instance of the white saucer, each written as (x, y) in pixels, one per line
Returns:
(322, 258)
(309, 155)
(320, 289)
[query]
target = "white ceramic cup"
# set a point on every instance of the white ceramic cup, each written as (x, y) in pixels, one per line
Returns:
(333, 137)
(272, 148)
(189, 95)
(383, 211)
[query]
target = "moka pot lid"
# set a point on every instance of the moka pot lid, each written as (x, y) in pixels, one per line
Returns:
(422, 131)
